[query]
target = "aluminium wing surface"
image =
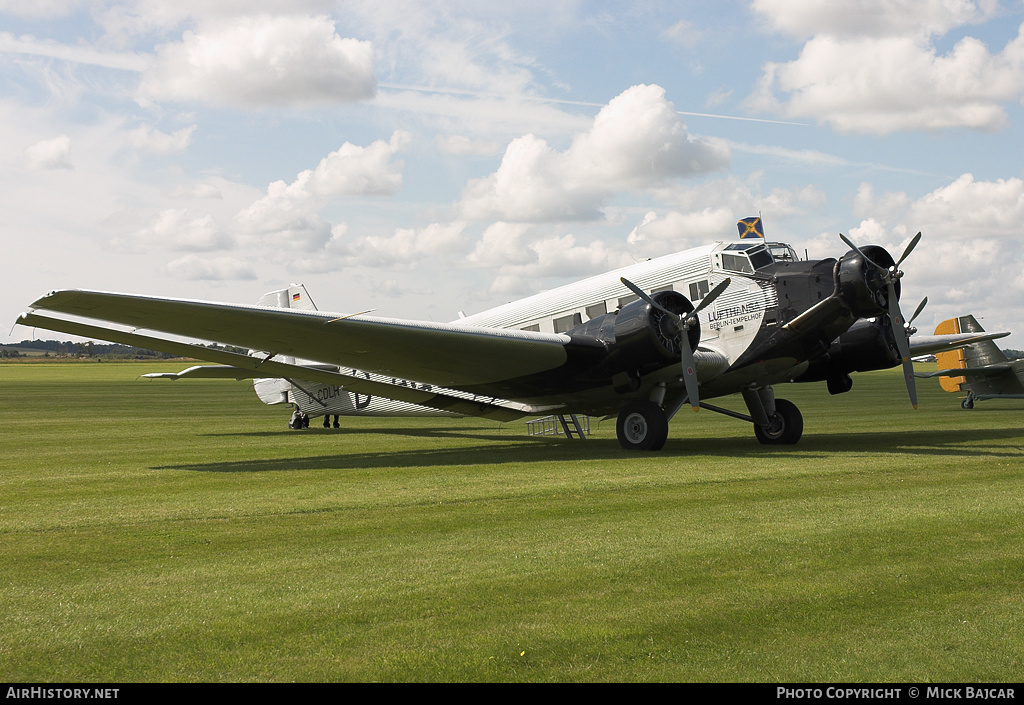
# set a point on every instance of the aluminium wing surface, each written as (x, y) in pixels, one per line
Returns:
(239, 366)
(447, 355)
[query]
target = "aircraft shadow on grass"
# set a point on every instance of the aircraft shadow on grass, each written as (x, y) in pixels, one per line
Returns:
(476, 432)
(539, 450)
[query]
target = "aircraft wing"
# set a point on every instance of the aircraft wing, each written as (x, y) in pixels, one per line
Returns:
(442, 354)
(929, 344)
(241, 366)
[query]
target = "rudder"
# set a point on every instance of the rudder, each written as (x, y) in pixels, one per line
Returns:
(951, 359)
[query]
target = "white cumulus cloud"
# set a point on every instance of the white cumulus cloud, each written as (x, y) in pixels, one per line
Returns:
(636, 141)
(886, 84)
(406, 246)
(292, 209)
(970, 251)
(173, 229)
(50, 154)
(262, 61)
(521, 256)
(872, 17)
(146, 138)
(225, 267)
(875, 66)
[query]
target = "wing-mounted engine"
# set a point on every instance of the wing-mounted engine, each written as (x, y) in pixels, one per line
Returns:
(868, 285)
(867, 345)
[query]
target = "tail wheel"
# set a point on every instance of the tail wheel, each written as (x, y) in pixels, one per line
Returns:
(642, 425)
(784, 427)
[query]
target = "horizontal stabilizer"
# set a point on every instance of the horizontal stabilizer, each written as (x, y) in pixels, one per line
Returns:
(931, 344)
(206, 372)
(225, 372)
(990, 371)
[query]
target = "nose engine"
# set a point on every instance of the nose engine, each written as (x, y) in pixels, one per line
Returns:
(861, 279)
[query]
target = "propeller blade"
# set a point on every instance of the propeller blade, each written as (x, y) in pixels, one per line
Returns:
(712, 295)
(859, 252)
(686, 354)
(900, 333)
(689, 372)
(910, 248)
(908, 374)
(896, 317)
(920, 307)
(643, 295)
(689, 366)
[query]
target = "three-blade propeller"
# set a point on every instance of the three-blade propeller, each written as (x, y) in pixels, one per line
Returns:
(890, 275)
(685, 321)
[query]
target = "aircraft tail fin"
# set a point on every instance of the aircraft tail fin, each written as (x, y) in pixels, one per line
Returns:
(295, 296)
(978, 354)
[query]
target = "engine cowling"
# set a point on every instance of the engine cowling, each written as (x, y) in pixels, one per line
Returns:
(646, 337)
(861, 285)
(867, 345)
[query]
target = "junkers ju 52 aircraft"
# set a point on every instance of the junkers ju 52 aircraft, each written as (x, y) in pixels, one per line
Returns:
(639, 343)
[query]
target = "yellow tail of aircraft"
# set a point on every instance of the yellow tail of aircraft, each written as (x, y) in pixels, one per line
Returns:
(980, 369)
(953, 359)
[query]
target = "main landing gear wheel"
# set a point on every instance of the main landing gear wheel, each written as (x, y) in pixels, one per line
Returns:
(967, 403)
(642, 425)
(784, 427)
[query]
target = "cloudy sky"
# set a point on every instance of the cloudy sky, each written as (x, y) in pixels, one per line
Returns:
(426, 158)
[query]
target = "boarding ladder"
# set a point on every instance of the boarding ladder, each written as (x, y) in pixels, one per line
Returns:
(571, 425)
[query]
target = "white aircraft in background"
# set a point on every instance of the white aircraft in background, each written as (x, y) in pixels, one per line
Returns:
(640, 342)
(308, 397)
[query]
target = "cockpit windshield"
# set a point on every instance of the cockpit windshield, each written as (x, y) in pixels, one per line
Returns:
(781, 252)
(745, 257)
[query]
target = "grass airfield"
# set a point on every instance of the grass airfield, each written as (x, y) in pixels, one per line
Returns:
(178, 531)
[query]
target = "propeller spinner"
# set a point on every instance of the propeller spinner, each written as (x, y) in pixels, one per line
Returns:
(684, 321)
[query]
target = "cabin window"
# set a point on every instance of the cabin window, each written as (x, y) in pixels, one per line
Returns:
(597, 310)
(627, 300)
(566, 323)
(535, 328)
(698, 290)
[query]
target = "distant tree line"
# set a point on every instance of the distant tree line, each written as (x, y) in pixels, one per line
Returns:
(91, 349)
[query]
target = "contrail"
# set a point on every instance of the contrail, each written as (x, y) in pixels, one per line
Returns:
(560, 101)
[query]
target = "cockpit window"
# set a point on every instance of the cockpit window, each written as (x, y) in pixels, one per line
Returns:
(760, 258)
(781, 252)
(755, 256)
(736, 263)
